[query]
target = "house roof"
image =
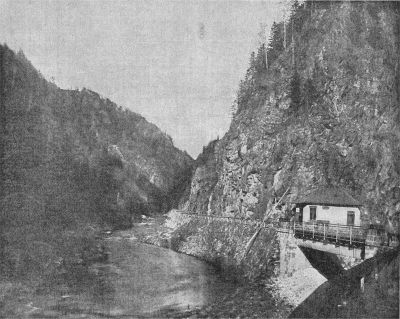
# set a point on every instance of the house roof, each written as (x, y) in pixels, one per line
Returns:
(330, 196)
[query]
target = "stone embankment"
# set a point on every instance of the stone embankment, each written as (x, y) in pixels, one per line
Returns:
(275, 260)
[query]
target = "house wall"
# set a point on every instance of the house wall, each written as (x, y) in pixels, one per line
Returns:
(335, 215)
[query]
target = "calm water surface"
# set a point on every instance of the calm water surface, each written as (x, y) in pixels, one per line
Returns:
(139, 280)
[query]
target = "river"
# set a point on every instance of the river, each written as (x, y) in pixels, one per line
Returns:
(149, 280)
(146, 281)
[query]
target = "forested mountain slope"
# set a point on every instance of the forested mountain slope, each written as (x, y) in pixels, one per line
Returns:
(324, 111)
(70, 158)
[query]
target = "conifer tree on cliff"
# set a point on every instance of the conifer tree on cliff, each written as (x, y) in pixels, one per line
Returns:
(295, 92)
(275, 46)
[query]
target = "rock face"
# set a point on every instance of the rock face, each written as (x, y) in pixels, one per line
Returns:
(325, 112)
(203, 180)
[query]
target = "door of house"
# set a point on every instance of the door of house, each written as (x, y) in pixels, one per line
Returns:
(313, 213)
(350, 218)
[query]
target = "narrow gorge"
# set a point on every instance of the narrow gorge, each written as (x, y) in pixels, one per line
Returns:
(292, 212)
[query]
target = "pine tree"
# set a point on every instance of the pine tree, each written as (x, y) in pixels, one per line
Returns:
(275, 45)
(295, 92)
(247, 86)
(260, 59)
(310, 95)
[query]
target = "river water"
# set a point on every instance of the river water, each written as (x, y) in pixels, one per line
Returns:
(146, 281)
(138, 280)
(149, 280)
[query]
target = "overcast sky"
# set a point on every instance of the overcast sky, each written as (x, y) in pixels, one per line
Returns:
(177, 63)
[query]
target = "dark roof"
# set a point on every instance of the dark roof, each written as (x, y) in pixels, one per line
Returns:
(330, 196)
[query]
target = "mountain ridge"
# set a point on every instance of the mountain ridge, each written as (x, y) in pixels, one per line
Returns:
(94, 122)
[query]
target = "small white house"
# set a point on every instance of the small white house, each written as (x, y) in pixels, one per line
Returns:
(329, 205)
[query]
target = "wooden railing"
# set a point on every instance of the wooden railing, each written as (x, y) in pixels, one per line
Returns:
(340, 235)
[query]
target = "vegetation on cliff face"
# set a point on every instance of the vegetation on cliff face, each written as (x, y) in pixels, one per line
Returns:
(328, 116)
(325, 111)
(71, 163)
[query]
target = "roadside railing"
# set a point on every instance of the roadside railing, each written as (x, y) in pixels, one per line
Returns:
(340, 235)
(321, 231)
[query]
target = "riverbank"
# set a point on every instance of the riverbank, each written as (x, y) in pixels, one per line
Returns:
(148, 281)
(174, 231)
(141, 281)
(294, 288)
(249, 298)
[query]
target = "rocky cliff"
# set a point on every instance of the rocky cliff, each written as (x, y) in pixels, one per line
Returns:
(323, 110)
(319, 106)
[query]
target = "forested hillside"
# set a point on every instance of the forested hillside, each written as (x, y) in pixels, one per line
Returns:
(318, 106)
(71, 159)
(325, 111)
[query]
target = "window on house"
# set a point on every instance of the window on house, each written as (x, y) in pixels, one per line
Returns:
(313, 212)
(350, 218)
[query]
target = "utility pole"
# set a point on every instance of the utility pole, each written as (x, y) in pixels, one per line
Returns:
(284, 31)
(293, 44)
(265, 38)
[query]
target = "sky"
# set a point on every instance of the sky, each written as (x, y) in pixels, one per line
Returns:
(177, 63)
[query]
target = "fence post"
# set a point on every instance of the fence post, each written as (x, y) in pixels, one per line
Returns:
(303, 228)
(324, 232)
(337, 232)
(351, 228)
(313, 230)
(362, 285)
